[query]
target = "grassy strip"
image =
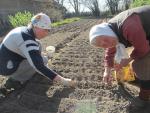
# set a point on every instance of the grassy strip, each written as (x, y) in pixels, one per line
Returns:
(65, 21)
(86, 106)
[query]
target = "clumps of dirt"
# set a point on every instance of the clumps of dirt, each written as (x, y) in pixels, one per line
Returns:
(75, 59)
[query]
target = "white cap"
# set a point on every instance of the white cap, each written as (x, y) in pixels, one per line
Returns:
(41, 20)
(100, 30)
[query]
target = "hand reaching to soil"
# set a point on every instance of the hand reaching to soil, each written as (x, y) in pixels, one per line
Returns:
(65, 81)
(107, 78)
(68, 82)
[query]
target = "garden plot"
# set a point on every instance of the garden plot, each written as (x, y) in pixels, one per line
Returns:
(75, 59)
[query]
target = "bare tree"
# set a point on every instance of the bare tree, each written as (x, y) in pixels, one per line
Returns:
(92, 5)
(127, 3)
(76, 5)
(113, 5)
(60, 2)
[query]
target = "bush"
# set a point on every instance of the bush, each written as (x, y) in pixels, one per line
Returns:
(20, 19)
(137, 3)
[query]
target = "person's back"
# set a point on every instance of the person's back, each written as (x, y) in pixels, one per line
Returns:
(10, 54)
(13, 39)
(117, 22)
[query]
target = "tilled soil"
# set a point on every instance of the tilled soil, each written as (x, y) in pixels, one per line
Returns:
(75, 59)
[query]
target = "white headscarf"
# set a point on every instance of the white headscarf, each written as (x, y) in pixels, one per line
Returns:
(99, 30)
(104, 29)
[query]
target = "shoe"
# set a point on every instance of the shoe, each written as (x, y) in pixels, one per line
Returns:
(13, 84)
(10, 86)
(136, 82)
(138, 104)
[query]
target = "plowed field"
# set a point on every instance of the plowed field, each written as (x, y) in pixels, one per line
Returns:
(75, 59)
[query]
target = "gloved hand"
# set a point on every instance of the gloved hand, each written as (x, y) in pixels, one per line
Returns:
(65, 81)
(68, 82)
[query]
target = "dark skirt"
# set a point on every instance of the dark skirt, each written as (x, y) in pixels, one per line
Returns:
(141, 67)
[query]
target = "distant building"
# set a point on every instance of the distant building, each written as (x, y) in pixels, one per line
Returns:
(10, 7)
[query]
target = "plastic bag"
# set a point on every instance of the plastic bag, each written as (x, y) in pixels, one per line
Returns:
(120, 53)
(126, 73)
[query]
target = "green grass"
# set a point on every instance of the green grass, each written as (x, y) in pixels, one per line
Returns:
(86, 106)
(65, 21)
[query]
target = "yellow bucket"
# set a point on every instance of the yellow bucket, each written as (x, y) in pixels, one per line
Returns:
(125, 74)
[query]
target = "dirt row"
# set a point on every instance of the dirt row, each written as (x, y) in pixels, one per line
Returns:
(75, 59)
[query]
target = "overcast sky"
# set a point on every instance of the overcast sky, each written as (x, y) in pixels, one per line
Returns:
(83, 8)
